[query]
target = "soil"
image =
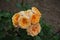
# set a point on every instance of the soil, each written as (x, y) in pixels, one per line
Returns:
(50, 10)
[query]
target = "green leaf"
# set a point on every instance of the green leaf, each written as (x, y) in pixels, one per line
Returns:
(41, 33)
(4, 14)
(37, 38)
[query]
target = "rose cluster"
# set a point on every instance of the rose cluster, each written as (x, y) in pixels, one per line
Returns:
(28, 20)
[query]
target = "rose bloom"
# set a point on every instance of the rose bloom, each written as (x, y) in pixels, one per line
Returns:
(15, 19)
(34, 30)
(22, 13)
(35, 16)
(28, 13)
(24, 22)
(36, 11)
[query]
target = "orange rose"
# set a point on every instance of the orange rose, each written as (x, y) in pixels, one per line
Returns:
(33, 30)
(28, 13)
(24, 22)
(15, 19)
(35, 18)
(36, 11)
(22, 13)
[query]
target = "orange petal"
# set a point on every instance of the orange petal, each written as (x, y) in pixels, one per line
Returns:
(35, 18)
(24, 22)
(36, 11)
(34, 30)
(28, 13)
(15, 19)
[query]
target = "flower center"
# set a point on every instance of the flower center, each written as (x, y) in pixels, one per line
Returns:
(24, 21)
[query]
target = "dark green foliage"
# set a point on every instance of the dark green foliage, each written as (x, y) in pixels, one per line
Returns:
(37, 38)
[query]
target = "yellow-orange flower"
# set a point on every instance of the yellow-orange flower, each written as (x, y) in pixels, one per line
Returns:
(15, 19)
(36, 11)
(24, 22)
(28, 13)
(35, 18)
(22, 13)
(33, 30)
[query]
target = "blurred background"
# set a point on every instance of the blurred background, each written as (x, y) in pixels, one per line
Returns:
(50, 10)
